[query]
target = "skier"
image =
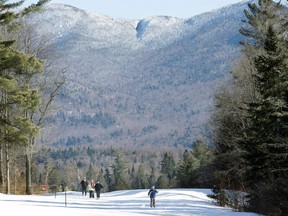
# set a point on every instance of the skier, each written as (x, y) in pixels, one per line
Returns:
(152, 193)
(83, 184)
(90, 188)
(98, 187)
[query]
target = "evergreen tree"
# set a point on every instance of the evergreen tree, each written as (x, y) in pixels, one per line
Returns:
(191, 171)
(233, 105)
(120, 168)
(133, 180)
(229, 123)
(54, 181)
(168, 166)
(152, 178)
(266, 139)
(141, 180)
(163, 182)
(17, 99)
(101, 179)
(184, 174)
(91, 174)
(203, 155)
(108, 179)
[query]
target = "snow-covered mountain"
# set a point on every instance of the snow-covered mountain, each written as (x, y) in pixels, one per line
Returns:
(139, 82)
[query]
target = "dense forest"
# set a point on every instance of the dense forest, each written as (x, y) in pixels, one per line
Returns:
(248, 148)
(250, 118)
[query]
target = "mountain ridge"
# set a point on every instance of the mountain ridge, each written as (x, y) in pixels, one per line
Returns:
(147, 82)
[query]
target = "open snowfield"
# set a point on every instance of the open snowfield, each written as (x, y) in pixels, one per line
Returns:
(172, 202)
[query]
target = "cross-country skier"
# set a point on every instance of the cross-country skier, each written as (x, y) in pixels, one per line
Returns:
(83, 184)
(98, 187)
(152, 193)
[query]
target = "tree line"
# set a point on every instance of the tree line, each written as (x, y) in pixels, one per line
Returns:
(121, 168)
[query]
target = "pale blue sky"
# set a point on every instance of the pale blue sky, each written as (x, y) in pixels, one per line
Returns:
(138, 9)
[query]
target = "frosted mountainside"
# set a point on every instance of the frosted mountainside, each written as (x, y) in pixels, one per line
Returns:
(153, 78)
(101, 31)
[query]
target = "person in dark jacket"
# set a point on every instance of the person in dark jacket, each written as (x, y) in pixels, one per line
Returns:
(83, 185)
(98, 188)
(152, 193)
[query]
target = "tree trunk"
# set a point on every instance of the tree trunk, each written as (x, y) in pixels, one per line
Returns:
(1, 169)
(7, 172)
(28, 174)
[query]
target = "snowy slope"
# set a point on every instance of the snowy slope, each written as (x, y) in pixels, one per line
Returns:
(174, 202)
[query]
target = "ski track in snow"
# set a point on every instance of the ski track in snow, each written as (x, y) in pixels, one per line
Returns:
(169, 202)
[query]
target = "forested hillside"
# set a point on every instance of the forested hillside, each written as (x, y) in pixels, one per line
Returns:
(143, 82)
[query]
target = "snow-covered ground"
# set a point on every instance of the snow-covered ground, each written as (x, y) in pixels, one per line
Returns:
(172, 202)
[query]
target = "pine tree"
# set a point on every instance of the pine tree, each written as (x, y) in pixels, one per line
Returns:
(184, 173)
(203, 155)
(141, 180)
(17, 99)
(168, 166)
(133, 175)
(191, 169)
(267, 138)
(120, 168)
(163, 182)
(266, 143)
(108, 179)
(152, 178)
